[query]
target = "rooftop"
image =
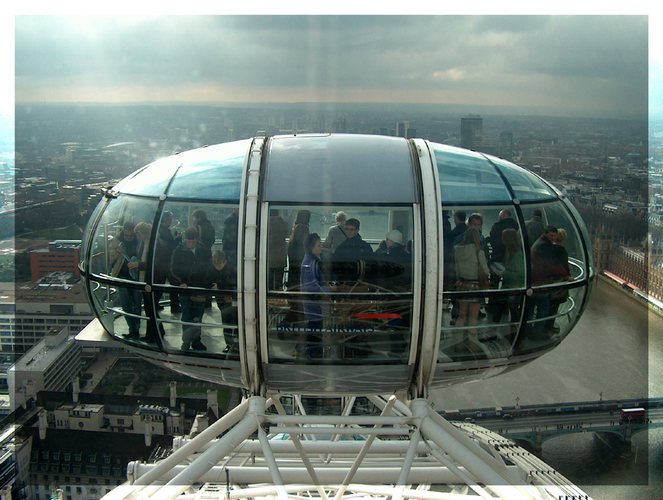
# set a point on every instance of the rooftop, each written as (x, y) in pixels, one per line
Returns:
(42, 355)
(31, 292)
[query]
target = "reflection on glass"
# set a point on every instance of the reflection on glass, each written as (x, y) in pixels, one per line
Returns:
(550, 315)
(512, 269)
(351, 330)
(559, 253)
(490, 336)
(345, 301)
(105, 298)
(468, 177)
(203, 330)
(476, 325)
(151, 180)
(325, 169)
(116, 249)
(583, 230)
(525, 185)
(220, 179)
(87, 234)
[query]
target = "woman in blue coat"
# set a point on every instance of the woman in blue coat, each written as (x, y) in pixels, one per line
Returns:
(312, 281)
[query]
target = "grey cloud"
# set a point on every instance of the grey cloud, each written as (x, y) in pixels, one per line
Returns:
(407, 53)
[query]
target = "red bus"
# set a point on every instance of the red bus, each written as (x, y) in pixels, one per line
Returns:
(633, 415)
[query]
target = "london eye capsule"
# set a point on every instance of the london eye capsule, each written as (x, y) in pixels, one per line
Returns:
(335, 264)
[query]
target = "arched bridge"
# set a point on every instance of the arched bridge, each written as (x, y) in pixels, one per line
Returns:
(536, 423)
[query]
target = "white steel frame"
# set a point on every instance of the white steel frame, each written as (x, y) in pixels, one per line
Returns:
(408, 451)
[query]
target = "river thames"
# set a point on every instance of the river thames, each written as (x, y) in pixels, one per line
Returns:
(615, 352)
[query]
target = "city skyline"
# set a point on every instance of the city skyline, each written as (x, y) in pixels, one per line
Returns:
(575, 65)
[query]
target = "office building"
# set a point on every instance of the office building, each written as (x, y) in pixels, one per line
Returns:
(471, 132)
(50, 365)
(28, 311)
(61, 255)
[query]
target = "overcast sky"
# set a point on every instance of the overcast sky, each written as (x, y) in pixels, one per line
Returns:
(590, 65)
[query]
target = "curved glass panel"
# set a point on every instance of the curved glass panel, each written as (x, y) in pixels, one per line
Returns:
(339, 169)
(152, 180)
(120, 244)
(472, 327)
(195, 276)
(105, 298)
(549, 316)
(484, 257)
(217, 175)
(348, 294)
(525, 185)
(125, 313)
(556, 256)
(583, 232)
(467, 177)
(88, 232)
(207, 323)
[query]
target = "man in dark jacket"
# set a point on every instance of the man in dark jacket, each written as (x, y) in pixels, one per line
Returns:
(165, 245)
(350, 252)
(546, 269)
(456, 234)
(125, 266)
(504, 221)
(188, 266)
(230, 236)
(222, 277)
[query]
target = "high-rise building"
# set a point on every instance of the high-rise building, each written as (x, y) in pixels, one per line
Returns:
(471, 132)
(505, 146)
(402, 128)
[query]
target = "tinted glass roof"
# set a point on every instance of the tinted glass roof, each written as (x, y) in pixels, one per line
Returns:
(471, 177)
(339, 169)
(212, 173)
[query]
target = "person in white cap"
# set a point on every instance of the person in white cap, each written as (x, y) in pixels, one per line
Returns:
(393, 251)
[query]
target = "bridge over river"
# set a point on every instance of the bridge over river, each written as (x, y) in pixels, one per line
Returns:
(534, 424)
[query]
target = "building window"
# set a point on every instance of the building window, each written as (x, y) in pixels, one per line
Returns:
(62, 309)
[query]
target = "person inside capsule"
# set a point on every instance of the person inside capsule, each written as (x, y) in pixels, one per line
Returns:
(124, 247)
(375, 305)
(336, 234)
(189, 265)
(165, 245)
(350, 253)
(312, 281)
(546, 269)
(143, 231)
(222, 278)
(395, 269)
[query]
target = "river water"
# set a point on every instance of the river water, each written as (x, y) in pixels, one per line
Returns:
(617, 350)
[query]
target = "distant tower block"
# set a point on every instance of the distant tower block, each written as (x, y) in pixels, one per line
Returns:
(505, 147)
(402, 128)
(471, 132)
